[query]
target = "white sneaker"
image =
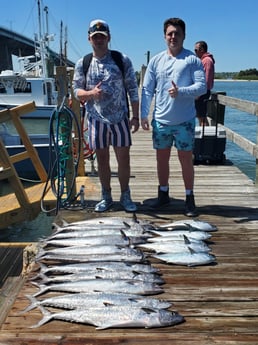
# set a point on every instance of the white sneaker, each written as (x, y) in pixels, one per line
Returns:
(105, 203)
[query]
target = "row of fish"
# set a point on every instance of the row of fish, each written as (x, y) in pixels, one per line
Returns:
(185, 246)
(101, 271)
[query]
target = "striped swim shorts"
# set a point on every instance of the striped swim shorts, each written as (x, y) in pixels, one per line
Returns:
(101, 134)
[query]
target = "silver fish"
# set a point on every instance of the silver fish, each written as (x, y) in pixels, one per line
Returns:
(189, 258)
(92, 227)
(107, 285)
(115, 317)
(190, 224)
(121, 240)
(99, 266)
(103, 274)
(126, 256)
(164, 235)
(99, 231)
(87, 250)
(175, 246)
(97, 299)
(109, 220)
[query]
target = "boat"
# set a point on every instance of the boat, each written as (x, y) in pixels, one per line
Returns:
(30, 83)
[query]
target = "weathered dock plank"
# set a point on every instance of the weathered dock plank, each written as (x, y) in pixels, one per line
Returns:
(219, 301)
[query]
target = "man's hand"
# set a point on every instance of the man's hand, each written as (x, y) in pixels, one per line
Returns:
(134, 124)
(145, 124)
(173, 91)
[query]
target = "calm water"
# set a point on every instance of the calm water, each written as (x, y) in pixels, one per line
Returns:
(242, 123)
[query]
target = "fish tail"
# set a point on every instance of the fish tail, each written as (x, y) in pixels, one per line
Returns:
(43, 267)
(47, 316)
(33, 305)
(43, 277)
(42, 289)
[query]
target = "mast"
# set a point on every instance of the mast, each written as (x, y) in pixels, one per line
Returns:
(61, 44)
(42, 44)
(65, 46)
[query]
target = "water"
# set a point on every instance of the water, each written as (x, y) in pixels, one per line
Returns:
(240, 122)
(28, 231)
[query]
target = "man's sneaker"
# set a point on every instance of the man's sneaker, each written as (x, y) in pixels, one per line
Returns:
(163, 199)
(105, 203)
(126, 201)
(190, 209)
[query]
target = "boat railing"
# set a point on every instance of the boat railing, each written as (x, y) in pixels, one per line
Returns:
(220, 100)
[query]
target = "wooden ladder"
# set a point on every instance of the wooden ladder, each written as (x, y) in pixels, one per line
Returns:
(14, 114)
(7, 169)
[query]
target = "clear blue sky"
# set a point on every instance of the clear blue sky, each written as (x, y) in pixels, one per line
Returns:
(229, 27)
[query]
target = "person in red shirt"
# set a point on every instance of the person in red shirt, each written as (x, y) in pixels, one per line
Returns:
(208, 61)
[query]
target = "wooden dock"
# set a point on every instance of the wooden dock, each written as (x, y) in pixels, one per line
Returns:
(219, 302)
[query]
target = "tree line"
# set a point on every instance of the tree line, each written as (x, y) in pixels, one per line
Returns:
(248, 74)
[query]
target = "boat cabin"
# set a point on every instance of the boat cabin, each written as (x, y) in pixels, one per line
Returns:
(16, 90)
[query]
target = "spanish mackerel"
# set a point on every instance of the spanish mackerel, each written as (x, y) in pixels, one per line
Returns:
(97, 299)
(88, 250)
(121, 240)
(124, 221)
(115, 317)
(175, 246)
(99, 231)
(190, 224)
(107, 285)
(94, 274)
(166, 234)
(98, 267)
(125, 256)
(189, 258)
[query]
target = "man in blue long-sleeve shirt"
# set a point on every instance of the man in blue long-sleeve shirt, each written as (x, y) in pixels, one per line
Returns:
(176, 77)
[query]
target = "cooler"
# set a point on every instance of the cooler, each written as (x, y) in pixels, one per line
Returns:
(210, 144)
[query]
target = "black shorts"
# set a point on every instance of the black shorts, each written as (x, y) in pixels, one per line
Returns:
(201, 104)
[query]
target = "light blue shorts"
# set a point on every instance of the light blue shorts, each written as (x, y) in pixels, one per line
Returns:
(181, 136)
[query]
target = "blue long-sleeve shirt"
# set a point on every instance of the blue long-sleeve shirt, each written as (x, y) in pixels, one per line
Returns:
(187, 72)
(112, 107)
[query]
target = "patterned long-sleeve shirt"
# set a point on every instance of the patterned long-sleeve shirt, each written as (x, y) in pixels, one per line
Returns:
(112, 106)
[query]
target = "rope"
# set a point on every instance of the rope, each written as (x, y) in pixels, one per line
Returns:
(61, 151)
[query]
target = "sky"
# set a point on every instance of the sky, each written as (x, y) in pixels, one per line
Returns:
(229, 27)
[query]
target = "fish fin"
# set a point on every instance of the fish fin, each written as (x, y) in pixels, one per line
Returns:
(36, 277)
(64, 223)
(123, 234)
(108, 304)
(186, 239)
(42, 288)
(149, 310)
(127, 225)
(98, 277)
(135, 273)
(44, 278)
(47, 316)
(43, 267)
(135, 218)
(33, 305)
(191, 250)
(104, 326)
